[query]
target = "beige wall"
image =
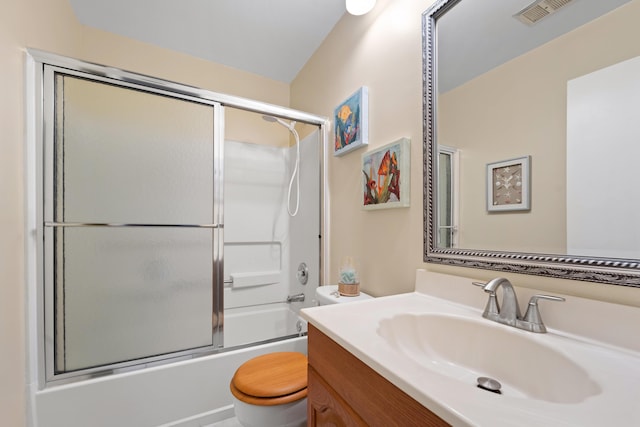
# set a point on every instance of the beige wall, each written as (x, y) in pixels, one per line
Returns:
(51, 26)
(382, 50)
(529, 92)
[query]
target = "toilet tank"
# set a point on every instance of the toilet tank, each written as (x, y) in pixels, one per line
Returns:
(328, 294)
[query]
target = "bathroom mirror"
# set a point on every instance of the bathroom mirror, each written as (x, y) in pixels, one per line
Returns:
(531, 137)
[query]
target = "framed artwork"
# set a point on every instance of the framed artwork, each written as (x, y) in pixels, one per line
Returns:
(351, 123)
(508, 185)
(386, 176)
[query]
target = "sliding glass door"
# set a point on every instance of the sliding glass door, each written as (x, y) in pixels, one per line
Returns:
(132, 231)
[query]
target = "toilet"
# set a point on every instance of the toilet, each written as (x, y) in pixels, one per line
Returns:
(271, 390)
(329, 294)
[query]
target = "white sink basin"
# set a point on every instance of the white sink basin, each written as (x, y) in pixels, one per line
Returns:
(465, 348)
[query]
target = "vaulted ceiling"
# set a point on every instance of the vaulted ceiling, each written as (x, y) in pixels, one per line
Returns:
(272, 38)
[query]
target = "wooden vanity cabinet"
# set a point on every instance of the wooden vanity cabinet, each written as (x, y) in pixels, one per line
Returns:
(344, 391)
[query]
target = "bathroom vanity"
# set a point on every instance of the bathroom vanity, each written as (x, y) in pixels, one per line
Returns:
(416, 359)
(344, 391)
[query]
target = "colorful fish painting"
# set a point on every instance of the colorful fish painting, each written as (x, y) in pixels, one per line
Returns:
(383, 183)
(350, 123)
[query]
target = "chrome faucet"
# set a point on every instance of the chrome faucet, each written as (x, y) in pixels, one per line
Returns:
(508, 313)
(295, 298)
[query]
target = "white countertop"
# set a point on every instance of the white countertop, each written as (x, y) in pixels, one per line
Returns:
(614, 366)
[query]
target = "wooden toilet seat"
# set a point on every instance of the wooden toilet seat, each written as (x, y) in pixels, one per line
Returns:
(271, 379)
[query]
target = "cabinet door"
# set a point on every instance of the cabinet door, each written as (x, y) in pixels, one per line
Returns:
(325, 408)
(337, 377)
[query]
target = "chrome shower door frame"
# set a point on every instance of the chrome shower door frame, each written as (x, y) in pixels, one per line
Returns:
(40, 219)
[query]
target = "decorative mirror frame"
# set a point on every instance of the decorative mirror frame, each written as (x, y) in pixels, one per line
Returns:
(624, 272)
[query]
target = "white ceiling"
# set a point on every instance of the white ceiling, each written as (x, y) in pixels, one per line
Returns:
(272, 38)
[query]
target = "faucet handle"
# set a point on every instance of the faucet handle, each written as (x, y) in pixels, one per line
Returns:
(533, 313)
(492, 307)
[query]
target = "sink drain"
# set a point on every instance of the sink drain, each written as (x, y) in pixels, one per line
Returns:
(489, 384)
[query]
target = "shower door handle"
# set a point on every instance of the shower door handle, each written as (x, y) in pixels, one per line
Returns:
(108, 224)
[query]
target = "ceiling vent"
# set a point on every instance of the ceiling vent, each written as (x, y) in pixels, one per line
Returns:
(540, 9)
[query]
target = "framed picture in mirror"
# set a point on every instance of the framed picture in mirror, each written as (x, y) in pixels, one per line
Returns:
(508, 185)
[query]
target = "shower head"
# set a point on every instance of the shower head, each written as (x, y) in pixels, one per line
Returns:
(272, 119)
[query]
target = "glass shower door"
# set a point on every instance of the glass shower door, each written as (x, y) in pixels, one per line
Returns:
(131, 226)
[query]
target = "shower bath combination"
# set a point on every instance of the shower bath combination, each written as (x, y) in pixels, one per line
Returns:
(143, 259)
(296, 173)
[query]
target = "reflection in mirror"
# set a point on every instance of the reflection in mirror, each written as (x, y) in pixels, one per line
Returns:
(447, 197)
(554, 82)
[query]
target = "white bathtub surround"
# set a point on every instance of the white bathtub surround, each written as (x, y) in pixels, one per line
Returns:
(263, 245)
(596, 341)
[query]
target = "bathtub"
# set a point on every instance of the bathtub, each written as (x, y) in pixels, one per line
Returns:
(190, 393)
(261, 323)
